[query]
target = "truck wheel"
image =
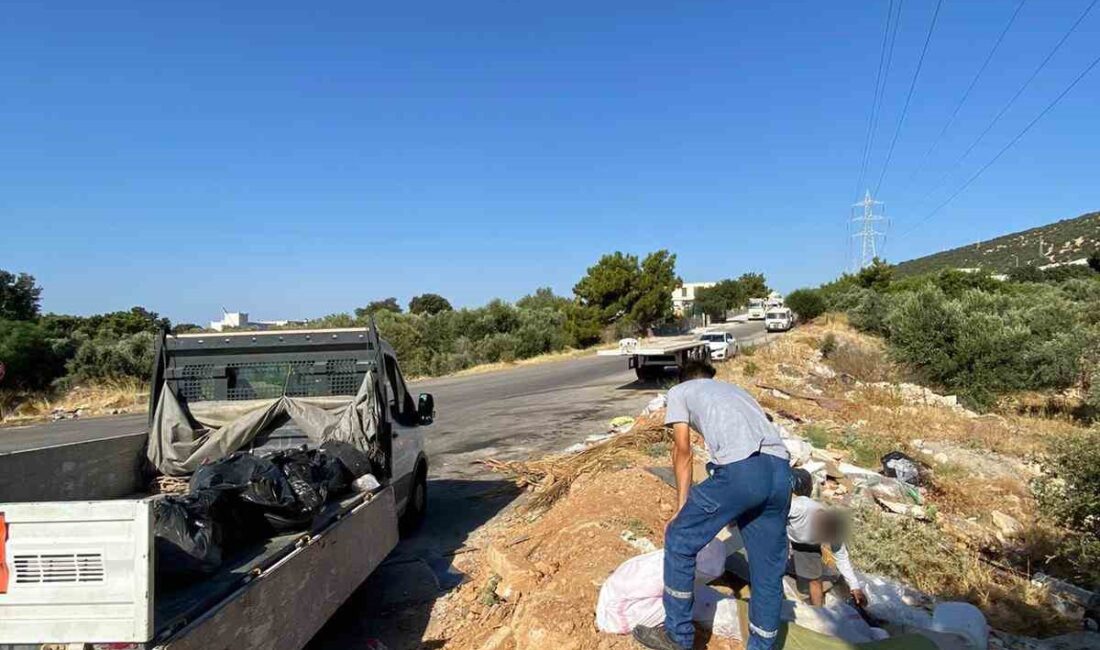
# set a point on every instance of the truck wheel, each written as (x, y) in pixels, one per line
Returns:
(417, 506)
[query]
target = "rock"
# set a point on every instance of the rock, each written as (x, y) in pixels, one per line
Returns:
(898, 508)
(779, 394)
(823, 371)
(538, 624)
(1073, 641)
(1006, 524)
(517, 575)
(788, 370)
(501, 640)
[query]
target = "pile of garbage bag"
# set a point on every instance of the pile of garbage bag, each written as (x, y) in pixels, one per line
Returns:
(244, 498)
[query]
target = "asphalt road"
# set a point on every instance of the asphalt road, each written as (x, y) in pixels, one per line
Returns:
(512, 413)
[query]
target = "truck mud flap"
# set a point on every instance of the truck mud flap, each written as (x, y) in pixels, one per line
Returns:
(283, 606)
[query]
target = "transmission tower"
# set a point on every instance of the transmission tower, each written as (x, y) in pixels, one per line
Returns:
(869, 239)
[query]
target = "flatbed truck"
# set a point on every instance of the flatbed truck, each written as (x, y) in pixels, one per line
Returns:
(82, 573)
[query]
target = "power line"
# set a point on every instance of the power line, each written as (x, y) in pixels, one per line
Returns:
(872, 119)
(1008, 146)
(966, 93)
(1004, 109)
(909, 97)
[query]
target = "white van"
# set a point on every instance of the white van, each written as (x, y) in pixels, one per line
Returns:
(778, 320)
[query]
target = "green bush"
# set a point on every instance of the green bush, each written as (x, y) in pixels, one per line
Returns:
(807, 303)
(1068, 490)
(30, 357)
(108, 357)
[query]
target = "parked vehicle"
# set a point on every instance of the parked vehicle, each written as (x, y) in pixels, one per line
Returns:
(756, 309)
(654, 360)
(779, 320)
(774, 301)
(85, 574)
(722, 345)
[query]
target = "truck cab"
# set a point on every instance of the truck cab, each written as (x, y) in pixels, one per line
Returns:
(756, 309)
(778, 319)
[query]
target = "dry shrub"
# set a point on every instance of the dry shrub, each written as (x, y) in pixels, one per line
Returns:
(921, 555)
(865, 363)
(101, 398)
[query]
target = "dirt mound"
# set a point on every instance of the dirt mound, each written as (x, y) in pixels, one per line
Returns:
(535, 584)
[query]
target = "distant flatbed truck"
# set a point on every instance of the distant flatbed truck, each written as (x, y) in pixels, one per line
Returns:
(81, 575)
(652, 360)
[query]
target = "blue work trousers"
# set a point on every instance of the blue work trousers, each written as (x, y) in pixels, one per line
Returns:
(754, 493)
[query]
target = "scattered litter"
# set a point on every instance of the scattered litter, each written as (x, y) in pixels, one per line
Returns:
(366, 483)
(900, 466)
(643, 544)
(621, 424)
(628, 346)
(656, 404)
(800, 450)
(65, 414)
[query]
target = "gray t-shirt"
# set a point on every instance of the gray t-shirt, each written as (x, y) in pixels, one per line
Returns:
(731, 422)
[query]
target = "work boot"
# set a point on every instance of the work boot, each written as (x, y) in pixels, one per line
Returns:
(655, 638)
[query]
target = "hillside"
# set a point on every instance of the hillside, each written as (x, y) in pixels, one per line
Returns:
(1063, 241)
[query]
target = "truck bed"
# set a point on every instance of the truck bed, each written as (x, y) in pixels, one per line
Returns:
(294, 582)
(654, 348)
(176, 606)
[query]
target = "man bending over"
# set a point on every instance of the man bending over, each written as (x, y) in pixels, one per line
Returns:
(749, 484)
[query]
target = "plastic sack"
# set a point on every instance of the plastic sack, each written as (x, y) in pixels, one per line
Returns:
(186, 538)
(963, 619)
(900, 466)
(834, 619)
(632, 594)
(655, 404)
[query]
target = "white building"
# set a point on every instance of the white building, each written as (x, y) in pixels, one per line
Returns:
(683, 297)
(238, 320)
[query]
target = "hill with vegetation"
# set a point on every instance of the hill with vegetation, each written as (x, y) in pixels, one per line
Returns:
(1063, 241)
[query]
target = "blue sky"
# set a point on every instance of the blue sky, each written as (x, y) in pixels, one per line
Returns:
(294, 159)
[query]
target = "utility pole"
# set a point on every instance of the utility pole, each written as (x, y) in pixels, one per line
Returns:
(864, 217)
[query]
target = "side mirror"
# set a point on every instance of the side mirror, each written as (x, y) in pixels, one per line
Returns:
(425, 408)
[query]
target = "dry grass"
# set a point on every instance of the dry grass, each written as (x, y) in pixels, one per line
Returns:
(108, 397)
(551, 477)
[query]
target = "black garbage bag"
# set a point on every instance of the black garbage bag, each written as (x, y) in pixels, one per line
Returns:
(187, 538)
(307, 486)
(354, 460)
(904, 468)
(256, 480)
(331, 473)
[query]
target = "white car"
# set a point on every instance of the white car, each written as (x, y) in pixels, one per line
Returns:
(722, 345)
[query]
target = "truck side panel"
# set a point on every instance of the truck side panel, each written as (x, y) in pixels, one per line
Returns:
(287, 604)
(97, 469)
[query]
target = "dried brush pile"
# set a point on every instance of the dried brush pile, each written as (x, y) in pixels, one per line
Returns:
(550, 478)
